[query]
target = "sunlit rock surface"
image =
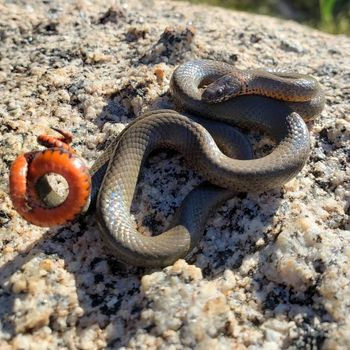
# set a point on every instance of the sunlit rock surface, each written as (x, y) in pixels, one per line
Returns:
(273, 269)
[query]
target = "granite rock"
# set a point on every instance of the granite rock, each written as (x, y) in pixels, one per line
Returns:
(273, 269)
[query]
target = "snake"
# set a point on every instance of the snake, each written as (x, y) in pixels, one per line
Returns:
(212, 99)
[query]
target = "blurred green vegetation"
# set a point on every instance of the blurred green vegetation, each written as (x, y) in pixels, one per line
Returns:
(331, 16)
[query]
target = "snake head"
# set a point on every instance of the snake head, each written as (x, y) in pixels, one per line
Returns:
(222, 89)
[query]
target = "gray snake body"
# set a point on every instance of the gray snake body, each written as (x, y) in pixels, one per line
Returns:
(228, 165)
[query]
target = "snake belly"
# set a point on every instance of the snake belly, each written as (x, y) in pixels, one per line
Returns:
(226, 162)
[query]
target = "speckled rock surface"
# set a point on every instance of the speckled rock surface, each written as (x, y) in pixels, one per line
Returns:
(273, 270)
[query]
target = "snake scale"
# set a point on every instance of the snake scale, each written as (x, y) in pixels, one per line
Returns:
(228, 166)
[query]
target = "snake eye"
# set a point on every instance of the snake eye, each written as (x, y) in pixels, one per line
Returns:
(220, 91)
(214, 93)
